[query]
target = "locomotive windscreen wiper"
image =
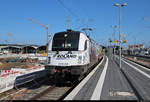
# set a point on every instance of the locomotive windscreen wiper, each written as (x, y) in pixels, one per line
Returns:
(57, 52)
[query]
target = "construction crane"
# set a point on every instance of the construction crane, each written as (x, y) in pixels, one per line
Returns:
(44, 27)
(10, 35)
(10, 41)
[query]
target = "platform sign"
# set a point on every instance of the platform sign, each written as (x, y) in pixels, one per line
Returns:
(110, 46)
(115, 41)
(124, 41)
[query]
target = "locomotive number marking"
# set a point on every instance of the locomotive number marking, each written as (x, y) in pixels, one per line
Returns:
(63, 64)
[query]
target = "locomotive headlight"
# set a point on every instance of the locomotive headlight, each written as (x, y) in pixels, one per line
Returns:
(79, 59)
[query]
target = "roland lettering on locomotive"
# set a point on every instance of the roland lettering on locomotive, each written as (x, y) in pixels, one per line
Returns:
(71, 54)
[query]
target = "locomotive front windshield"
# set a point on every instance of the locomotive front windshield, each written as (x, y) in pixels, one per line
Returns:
(66, 41)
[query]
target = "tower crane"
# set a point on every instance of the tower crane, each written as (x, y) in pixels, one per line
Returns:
(30, 19)
(10, 35)
(10, 41)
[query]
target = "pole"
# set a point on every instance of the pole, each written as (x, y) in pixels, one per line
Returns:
(47, 39)
(114, 26)
(114, 42)
(120, 36)
(67, 22)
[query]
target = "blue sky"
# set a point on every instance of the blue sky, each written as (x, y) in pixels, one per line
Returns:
(97, 14)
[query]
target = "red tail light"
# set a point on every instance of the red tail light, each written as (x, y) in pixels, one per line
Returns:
(57, 70)
(67, 70)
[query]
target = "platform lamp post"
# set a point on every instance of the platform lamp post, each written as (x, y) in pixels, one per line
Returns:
(120, 6)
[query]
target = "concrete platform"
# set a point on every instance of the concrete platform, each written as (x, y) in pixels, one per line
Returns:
(106, 83)
(140, 78)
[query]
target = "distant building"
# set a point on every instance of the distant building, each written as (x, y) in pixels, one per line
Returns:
(133, 47)
(16, 48)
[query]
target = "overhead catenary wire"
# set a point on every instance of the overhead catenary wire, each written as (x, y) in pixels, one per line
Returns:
(60, 2)
(81, 25)
(74, 15)
(84, 24)
(69, 10)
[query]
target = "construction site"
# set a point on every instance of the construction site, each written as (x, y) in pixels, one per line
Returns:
(22, 55)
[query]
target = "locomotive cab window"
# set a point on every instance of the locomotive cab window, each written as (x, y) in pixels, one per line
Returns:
(66, 41)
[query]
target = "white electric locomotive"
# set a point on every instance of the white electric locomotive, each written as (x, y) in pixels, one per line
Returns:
(71, 53)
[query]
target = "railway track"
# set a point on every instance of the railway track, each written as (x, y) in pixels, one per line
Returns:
(43, 90)
(47, 91)
(51, 93)
(16, 92)
(141, 60)
(145, 58)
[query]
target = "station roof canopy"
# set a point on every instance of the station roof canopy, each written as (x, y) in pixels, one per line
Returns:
(19, 46)
(42, 47)
(35, 47)
(15, 47)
